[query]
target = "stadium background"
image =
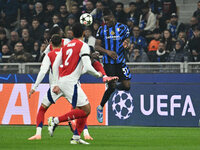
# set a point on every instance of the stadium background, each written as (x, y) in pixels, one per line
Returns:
(155, 100)
(182, 111)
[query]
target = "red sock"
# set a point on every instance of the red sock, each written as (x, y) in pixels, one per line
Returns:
(98, 67)
(40, 117)
(77, 119)
(80, 124)
(73, 114)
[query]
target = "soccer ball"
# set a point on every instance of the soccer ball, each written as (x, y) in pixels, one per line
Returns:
(122, 104)
(86, 19)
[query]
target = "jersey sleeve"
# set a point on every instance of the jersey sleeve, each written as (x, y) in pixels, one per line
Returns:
(56, 65)
(99, 33)
(126, 32)
(85, 58)
(43, 70)
(47, 50)
(66, 41)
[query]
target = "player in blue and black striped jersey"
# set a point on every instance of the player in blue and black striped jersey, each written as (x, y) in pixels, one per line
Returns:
(112, 39)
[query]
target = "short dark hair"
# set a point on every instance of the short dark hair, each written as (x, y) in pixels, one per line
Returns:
(107, 12)
(56, 40)
(145, 6)
(77, 29)
(55, 30)
(132, 3)
(50, 3)
(35, 19)
(119, 3)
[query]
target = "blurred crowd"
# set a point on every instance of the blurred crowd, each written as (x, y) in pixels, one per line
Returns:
(156, 35)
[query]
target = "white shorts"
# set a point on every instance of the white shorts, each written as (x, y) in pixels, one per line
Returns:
(71, 91)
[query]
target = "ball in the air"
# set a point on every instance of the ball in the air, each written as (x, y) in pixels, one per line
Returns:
(86, 19)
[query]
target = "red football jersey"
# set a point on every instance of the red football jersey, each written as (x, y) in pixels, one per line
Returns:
(52, 56)
(71, 56)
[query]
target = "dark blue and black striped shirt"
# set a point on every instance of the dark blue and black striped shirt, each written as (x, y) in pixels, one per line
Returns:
(112, 39)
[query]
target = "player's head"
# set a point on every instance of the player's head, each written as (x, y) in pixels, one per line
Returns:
(56, 30)
(108, 17)
(56, 40)
(77, 29)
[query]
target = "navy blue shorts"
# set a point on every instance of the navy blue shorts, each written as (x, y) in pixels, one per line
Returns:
(120, 70)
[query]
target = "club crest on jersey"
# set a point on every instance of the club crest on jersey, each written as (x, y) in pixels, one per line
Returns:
(118, 29)
(112, 33)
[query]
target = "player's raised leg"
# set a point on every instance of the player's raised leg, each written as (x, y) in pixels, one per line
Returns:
(80, 114)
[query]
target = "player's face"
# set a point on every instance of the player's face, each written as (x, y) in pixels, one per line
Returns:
(136, 31)
(109, 20)
(166, 34)
(198, 5)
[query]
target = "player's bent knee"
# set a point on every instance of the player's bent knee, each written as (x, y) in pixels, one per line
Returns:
(127, 85)
(44, 106)
(86, 109)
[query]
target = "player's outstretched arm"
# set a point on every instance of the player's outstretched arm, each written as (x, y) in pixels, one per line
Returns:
(43, 70)
(88, 67)
(85, 57)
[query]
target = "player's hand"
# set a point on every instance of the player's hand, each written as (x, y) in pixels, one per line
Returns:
(95, 55)
(126, 44)
(56, 90)
(30, 93)
(100, 74)
(46, 42)
(112, 54)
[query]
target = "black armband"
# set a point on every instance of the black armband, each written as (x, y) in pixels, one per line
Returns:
(85, 55)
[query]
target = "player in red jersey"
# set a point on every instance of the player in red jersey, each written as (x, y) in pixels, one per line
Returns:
(96, 64)
(75, 58)
(47, 64)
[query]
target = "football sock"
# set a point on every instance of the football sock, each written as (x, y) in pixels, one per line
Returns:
(56, 120)
(38, 131)
(40, 120)
(80, 126)
(85, 132)
(98, 67)
(73, 114)
(40, 117)
(76, 136)
(85, 126)
(106, 96)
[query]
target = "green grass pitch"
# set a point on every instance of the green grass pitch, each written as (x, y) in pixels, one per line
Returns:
(105, 138)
